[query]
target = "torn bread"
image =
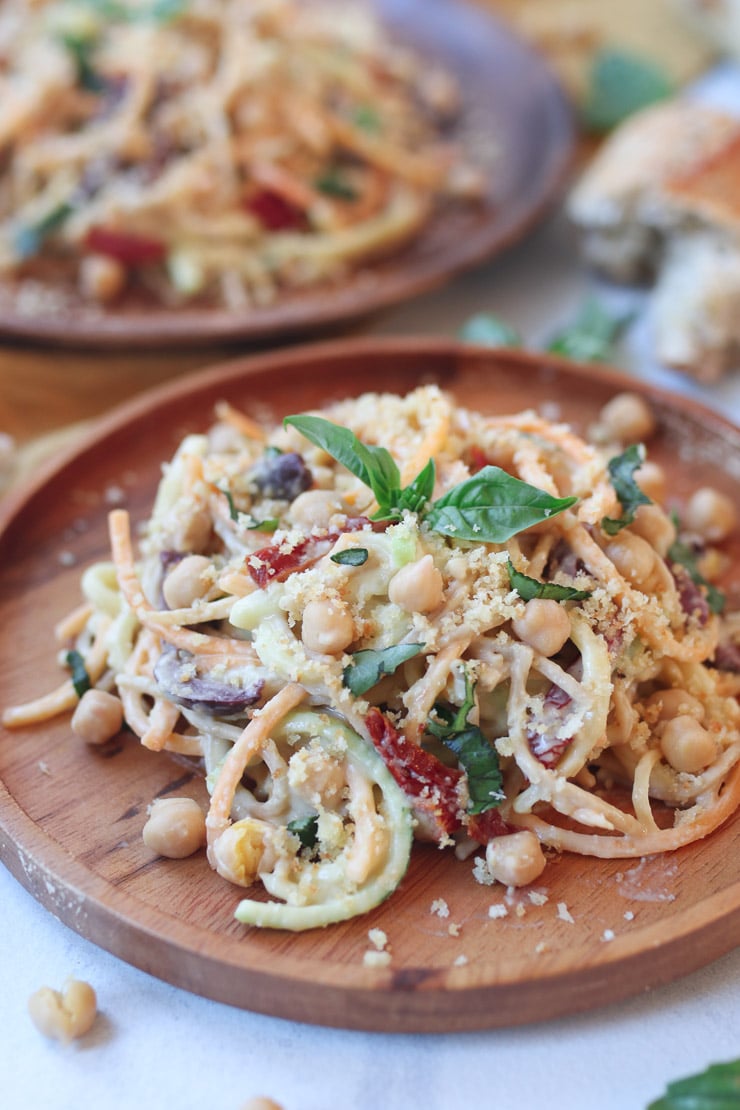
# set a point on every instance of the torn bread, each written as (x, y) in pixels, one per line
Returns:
(662, 199)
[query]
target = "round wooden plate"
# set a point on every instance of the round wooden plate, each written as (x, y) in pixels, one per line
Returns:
(514, 122)
(71, 817)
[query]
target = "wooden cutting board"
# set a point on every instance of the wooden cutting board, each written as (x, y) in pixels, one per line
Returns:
(70, 817)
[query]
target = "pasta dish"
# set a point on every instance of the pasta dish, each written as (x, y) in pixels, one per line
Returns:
(481, 632)
(224, 150)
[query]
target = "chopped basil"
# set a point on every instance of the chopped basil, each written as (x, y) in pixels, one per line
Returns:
(367, 118)
(621, 470)
(27, 241)
(529, 588)
(621, 82)
(682, 554)
(233, 511)
(591, 335)
(476, 755)
(369, 666)
(81, 50)
(493, 506)
(717, 1088)
(333, 184)
(158, 11)
(246, 520)
(488, 331)
(80, 677)
(306, 829)
(350, 557)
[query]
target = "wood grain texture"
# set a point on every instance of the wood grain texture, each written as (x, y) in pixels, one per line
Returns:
(71, 817)
(516, 125)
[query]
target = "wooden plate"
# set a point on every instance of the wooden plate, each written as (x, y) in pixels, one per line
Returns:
(515, 123)
(71, 817)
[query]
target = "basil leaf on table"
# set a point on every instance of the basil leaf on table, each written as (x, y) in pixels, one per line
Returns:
(591, 335)
(489, 331)
(369, 666)
(492, 506)
(80, 678)
(529, 588)
(621, 471)
(717, 1088)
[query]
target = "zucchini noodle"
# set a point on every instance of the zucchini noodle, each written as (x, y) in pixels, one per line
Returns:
(225, 150)
(348, 672)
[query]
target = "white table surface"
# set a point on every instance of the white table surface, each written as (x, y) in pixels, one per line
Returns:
(154, 1046)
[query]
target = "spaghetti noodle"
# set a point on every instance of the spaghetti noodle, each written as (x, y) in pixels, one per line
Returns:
(482, 632)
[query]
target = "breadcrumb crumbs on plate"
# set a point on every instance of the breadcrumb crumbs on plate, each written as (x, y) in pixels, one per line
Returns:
(453, 929)
(498, 910)
(564, 913)
(66, 558)
(537, 898)
(481, 874)
(629, 915)
(373, 958)
(543, 946)
(460, 960)
(607, 935)
(378, 939)
(520, 911)
(440, 908)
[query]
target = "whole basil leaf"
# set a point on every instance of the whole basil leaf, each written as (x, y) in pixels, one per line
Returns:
(529, 588)
(350, 557)
(591, 336)
(492, 506)
(717, 1088)
(488, 331)
(80, 677)
(621, 471)
(306, 829)
(374, 466)
(682, 554)
(369, 666)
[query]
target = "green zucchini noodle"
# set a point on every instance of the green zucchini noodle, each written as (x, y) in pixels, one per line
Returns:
(227, 150)
(358, 645)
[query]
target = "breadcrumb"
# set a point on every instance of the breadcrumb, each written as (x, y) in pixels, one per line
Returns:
(564, 913)
(498, 909)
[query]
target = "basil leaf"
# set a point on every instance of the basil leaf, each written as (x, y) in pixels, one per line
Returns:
(366, 118)
(529, 588)
(477, 757)
(374, 466)
(306, 829)
(350, 557)
(416, 494)
(621, 470)
(80, 677)
(488, 331)
(591, 336)
(246, 520)
(479, 760)
(233, 511)
(717, 1088)
(682, 554)
(368, 666)
(333, 184)
(621, 82)
(81, 50)
(493, 506)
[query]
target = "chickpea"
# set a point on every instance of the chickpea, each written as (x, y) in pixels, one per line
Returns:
(314, 508)
(687, 745)
(176, 827)
(654, 526)
(98, 717)
(628, 418)
(187, 581)
(101, 279)
(651, 479)
(516, 859)
(417, 587)
(327, 627)
(712, 514)
(545, 625)
(64, 1015)
(238, 851)
(633, 557)
(675, 703)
